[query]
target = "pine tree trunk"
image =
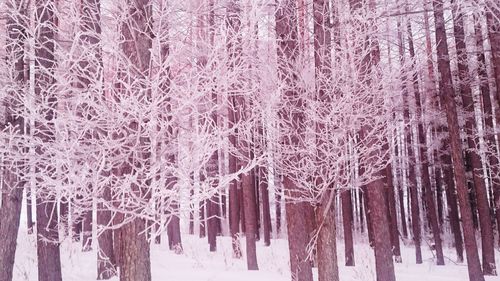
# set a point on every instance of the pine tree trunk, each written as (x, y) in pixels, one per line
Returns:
(488, 249)
(250, 220)
(446, 87)
(347, 221)
(135, 262)
(266, 210)
(49, 261)
(492, 157)
(392, 216)
(384, 265)
(12, 183)
(296, 216)
(137, 37)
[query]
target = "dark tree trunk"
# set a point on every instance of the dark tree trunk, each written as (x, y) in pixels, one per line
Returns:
(135, 263)
(266, 210)
(29, 209)
(492, 157)
(392, 216)
(488, 249)
(49, 261)
(12, 183)
(250, 221)
(296, 216)
(446, 88)
(203, 222)
(347, 221)
(136, 45)
(325, 211)
(382, 245)
(277, 199)
(10, 213)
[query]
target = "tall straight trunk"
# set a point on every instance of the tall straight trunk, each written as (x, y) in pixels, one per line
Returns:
(296, 217)
(446, 89)
(414, 202)
(29, 209)
(382, 246)
(136, 45)
(347, 222)
(392, 216)
(12, 183)
(492, 157)
(266, 209)
(234, 48)
(174, 230)
(445, 158)
(493, 24)
(277, 199)
(49, 261)
(424, 163)
(471, 129)
(325, 211)
(249, 205)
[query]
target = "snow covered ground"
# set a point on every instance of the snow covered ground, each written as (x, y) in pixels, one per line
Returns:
(198, 264)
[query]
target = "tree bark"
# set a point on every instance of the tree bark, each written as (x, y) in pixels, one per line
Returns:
(446, 88)
(487, 239)
(347, 221)
(49, 261)
(12, 183)
(296, 217)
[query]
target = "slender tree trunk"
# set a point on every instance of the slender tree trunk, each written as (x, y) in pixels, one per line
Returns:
(492, 157)
(347, 221)
(49, 261)
(493, 24)
(325, 211)
(488, 249)
(446, 86)
(12, 183)
(266, 210)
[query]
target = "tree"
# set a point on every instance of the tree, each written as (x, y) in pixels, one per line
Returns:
(471, 128)
(446, 90)
(136, 45)
(287, 46)
(14, 164)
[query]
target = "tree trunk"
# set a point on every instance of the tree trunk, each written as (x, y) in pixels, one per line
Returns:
(446, 87)
(266, 210)
(347, 221)
(12, 183)
(493, 24)
(488, 248)
(135, 263)
(136, 45)
(49, 261)
(493, 161)
(296, 217)
(382, 245)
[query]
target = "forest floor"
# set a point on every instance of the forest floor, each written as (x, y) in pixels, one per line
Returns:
(198, 264)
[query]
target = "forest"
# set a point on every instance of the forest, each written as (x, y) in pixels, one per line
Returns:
(297, 140)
